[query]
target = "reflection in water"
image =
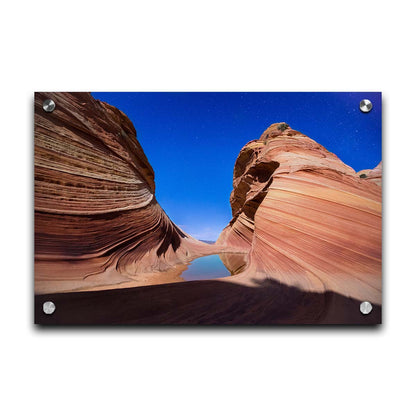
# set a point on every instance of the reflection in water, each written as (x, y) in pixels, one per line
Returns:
(234, 262)
(208, 267)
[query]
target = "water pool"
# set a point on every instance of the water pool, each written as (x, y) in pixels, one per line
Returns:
(207, 267)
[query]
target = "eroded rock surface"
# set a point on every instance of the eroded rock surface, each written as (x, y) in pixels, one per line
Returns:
(309, 220)
(372, 175)
(97, 222)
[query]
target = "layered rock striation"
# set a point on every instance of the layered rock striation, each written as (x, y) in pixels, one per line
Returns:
(97, 221)
(307, 219)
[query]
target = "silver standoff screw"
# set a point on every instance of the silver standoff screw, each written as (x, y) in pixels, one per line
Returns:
(366, 106)
(49, 308)
(49, 105)
(366, 308)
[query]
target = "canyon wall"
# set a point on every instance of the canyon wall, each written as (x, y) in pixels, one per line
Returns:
(97, 221)
(307, 219)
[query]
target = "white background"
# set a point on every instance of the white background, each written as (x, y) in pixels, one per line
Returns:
(206, 46)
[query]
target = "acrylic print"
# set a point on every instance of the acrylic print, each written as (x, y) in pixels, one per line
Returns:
(207, 208)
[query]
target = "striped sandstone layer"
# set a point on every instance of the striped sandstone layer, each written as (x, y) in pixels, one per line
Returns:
(307, 219)
(97, 221)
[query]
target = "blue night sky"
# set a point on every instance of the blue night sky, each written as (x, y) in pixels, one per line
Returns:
(193, 139)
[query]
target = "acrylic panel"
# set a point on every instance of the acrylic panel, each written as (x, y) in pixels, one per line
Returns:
(208, 208)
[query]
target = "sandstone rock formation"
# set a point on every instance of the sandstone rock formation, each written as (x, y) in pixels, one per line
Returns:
(97, 222)
(307, 219)
(372, 175)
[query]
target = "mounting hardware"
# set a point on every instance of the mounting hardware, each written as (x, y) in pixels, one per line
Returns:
(366, 308)
(49, 105)
(366, 106)
(49, 308)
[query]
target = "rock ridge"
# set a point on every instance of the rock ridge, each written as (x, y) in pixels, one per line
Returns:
(307, 219)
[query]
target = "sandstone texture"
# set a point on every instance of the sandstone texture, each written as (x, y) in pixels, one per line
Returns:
(372, 175)
(97, 221)
(307, 219)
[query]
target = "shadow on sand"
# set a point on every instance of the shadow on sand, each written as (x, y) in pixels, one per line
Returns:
(209, 302)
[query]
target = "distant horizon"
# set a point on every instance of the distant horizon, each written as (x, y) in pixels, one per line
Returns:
(192, 141)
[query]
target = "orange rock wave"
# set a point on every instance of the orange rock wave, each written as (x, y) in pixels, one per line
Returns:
(307, 219)
(97, 221)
